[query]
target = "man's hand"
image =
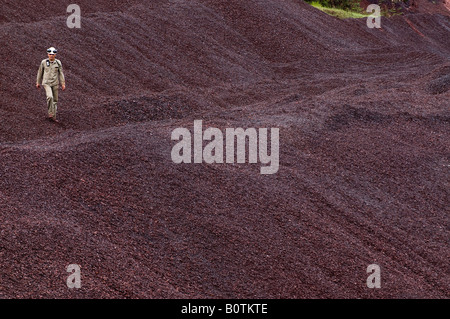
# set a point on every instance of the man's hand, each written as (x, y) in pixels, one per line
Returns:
(63, 87)
(38, 85)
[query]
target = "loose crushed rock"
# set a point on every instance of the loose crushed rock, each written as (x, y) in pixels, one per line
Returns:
(364, 152)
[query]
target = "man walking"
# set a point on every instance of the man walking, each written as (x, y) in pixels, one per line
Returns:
(50, 75)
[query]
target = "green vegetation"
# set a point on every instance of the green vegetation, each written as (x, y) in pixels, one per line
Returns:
(340, 13)
(344, 9)
(347, 5)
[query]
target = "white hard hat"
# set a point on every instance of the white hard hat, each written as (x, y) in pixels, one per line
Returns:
(52, 50)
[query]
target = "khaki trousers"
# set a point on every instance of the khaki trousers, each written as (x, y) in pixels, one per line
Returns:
(52, 99)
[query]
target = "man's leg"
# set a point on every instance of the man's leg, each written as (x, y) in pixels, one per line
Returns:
(49, 94)
(55, 100)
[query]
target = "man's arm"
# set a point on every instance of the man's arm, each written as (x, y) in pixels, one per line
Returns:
(40, 74)
(62, 78)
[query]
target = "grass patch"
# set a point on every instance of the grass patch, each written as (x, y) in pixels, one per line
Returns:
(340, 13)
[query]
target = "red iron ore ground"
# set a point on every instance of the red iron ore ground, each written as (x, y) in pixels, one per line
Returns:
(364, 152)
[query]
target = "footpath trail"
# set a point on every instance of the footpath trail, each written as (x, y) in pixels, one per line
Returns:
(364, 152)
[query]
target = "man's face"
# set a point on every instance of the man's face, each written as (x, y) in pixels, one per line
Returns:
(51, 56)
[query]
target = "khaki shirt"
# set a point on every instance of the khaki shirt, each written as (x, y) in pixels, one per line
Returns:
(51, 75)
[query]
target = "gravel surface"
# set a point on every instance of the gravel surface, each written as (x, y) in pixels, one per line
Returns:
(364, 152)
